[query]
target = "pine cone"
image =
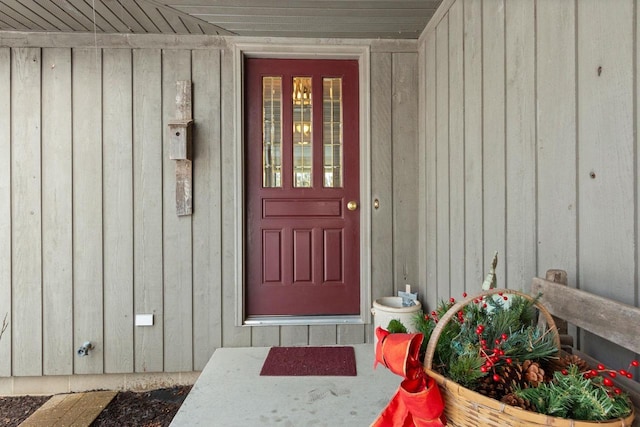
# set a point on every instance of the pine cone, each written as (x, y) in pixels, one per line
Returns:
(493, 389)
(563, 362)
(513, 400)
(532, 373)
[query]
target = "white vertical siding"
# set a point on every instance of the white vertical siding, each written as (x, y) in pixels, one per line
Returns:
(117, 151)
(607, 220)
(556, 142)
(26, 213)
(89, 236)
(147, 207)
(207, 246)
(177, 232)
(549, 146)
(88, 296)
(404, 114)
(57, 222)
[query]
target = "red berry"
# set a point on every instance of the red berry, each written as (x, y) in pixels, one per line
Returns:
(629, 375)
(601, 367)
(484, 305)
(607, 382)
(505, 297)
(509, 361)
(504, 337)
(483, 368)
(483, 342)
(497, 341)
(564, 372)
(593, 373)
(464, 295)
(635, 363)
(623, 372)
(617, 390)
(496, 377)
(612, 374)
(500, 293)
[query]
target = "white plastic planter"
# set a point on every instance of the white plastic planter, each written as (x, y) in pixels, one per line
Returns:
(387, 308)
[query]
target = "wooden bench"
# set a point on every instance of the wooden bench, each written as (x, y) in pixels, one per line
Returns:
(614, 321)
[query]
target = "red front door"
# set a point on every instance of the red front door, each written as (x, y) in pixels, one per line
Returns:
(302, 187)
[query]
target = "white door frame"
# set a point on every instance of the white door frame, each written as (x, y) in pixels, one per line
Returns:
(315, 49)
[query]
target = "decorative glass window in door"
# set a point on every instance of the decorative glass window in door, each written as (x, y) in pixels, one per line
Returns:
(302, 133)
(332, 131)
(271, 132)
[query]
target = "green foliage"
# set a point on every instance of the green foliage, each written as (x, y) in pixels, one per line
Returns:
(396, 327)
(576, 397)
(466, 369)
(459, 354)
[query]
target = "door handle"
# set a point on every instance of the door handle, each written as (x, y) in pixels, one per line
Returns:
(352, 205)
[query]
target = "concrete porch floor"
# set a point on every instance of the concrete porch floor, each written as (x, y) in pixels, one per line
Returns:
(231, 392)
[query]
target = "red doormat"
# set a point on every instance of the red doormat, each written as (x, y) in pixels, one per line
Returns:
(310, 361)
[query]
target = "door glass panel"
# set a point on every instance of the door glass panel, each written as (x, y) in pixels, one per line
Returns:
(302, 132)
(271, 132)
(332, 131)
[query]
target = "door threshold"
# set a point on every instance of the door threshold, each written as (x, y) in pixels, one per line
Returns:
(303, 320)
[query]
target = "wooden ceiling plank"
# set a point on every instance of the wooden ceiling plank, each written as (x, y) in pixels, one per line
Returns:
(8, 23)
(153, 13)
(49, 11)
(9, 10)
(24, 9)
(86, 9)
(121, 10)
(174, 21)
(137, 13)
(113, 19)
(192, 25)
(68, 13)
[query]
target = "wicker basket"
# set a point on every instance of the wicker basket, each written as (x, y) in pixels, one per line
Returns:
(467, 408)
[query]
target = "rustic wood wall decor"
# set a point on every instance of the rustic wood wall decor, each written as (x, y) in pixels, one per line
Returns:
(180, 148)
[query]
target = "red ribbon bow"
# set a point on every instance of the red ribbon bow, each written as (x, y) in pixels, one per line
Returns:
(418, 402)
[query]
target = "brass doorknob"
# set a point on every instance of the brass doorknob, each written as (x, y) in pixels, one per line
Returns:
(352, 205)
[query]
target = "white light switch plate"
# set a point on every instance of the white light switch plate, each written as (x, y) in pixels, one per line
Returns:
(144, 319)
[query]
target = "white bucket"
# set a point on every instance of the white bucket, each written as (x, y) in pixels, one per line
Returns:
(387, 308)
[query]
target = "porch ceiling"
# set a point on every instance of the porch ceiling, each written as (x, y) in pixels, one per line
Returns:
(391, 19)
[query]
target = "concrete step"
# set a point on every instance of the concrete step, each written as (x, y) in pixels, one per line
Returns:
(70, 410)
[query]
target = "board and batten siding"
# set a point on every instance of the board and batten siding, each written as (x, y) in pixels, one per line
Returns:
(529, 148)
(89, 235)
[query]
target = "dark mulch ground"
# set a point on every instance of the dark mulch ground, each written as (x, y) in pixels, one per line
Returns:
(14, 410)
(154, 408)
